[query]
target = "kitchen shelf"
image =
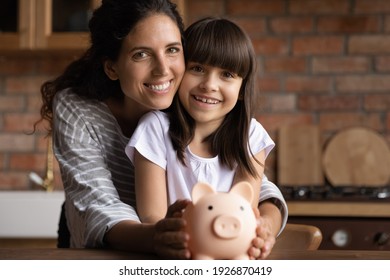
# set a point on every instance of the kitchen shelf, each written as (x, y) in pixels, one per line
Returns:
(339, 209)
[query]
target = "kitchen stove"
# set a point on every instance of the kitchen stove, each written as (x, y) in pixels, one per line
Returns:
(330, 193)
(356, 231)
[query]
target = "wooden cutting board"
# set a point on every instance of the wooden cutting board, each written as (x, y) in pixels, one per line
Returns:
(299, 156)
(357, 157)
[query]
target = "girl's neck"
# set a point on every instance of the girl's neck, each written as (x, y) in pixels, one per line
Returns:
(199, 146)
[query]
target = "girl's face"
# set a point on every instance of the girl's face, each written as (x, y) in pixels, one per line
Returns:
(209, 93)
(150, 65)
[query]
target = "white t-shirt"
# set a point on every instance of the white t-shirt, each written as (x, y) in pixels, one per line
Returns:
(151, 139)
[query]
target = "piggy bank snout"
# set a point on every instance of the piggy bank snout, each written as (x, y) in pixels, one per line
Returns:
(226, 226)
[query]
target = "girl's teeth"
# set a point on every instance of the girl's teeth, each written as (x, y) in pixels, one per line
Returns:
(205, 100)
(160, 87)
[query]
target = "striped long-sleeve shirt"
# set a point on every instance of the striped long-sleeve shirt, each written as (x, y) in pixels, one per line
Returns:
(97, 175)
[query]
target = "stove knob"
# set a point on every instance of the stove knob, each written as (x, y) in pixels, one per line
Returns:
(381, 238)
(340, 238)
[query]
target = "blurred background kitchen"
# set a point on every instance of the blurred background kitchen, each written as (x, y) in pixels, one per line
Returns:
(324, 96)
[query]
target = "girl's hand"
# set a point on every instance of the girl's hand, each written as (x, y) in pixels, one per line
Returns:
(264, 241)
(170, 240)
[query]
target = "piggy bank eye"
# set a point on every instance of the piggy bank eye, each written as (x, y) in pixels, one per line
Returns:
(210, 207)
(242, 208)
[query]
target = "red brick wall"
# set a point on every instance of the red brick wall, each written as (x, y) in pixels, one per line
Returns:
(325, 62)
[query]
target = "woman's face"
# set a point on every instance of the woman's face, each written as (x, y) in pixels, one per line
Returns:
(150, 65)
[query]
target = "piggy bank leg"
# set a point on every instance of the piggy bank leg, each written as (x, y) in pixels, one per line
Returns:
(201, 257)
(242, 257)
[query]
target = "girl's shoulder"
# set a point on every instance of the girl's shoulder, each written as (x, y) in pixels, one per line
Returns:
(155, 117)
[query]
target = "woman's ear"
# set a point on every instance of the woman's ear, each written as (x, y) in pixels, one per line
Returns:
(110, 71)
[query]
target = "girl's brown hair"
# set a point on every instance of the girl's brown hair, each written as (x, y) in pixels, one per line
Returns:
(220, 43)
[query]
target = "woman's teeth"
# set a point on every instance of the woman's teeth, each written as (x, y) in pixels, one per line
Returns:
(162, 87)
(206, 100)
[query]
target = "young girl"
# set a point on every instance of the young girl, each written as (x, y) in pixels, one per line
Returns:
(209, 134)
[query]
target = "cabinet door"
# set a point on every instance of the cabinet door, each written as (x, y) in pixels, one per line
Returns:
(17, 24)
(63, 24)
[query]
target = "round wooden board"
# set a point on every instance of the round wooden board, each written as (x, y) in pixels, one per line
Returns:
(357, 157)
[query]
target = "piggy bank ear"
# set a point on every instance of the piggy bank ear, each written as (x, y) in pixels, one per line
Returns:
(243, 189)
(199, 190)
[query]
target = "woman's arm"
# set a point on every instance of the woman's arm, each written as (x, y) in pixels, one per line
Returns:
(166, 238)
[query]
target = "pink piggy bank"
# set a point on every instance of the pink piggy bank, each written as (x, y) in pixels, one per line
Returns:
(220, 225)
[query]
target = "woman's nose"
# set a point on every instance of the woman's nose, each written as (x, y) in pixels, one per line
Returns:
(161, 66)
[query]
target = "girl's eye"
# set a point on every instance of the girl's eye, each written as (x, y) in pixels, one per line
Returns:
(196, 68)
(228, 74)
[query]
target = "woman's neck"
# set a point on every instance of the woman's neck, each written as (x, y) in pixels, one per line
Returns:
(126, 113)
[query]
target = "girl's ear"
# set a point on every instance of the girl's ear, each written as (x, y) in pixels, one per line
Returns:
(109, 69)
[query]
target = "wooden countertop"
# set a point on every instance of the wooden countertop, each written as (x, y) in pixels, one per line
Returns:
(339, 209)
(89, 254)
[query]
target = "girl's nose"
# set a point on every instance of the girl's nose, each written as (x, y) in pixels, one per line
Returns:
(209, 83)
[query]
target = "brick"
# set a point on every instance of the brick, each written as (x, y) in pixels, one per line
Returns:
(52, 66)
(28, 162)
(23, 84)
(16, 142)
(364, 83)
(20, 122)
(338, 121)
(283, 103)
(34, 103)
(254, 27)
(382, 64)
(328, 103)
(11, 103)
(308, 45)
(348, 24)
(387, 24)
(377, 102)
(285, 65)
(257, 8)
(14, 181)
(372, 6)
(202, 8)
(17, 65)
(359, 64)
(369, 44)
(269, 84)
(272, 122)
(291, 25)
(300, 84)
(314, 7)
(263, 103)
(271, 46)
(2, 161)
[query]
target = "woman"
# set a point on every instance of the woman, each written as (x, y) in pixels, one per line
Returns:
(134, 65)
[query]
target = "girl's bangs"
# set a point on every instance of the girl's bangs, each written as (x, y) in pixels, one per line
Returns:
(219, 45)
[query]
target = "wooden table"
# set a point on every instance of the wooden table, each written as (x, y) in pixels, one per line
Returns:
(89, 254)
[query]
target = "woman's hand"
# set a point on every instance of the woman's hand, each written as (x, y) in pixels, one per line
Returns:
(170, 240)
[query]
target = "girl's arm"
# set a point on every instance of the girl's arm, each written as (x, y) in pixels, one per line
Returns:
(151, 189)
(243, 175)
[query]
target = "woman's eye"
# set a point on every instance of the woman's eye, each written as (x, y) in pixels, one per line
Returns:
(173, 50)
(140, 55)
